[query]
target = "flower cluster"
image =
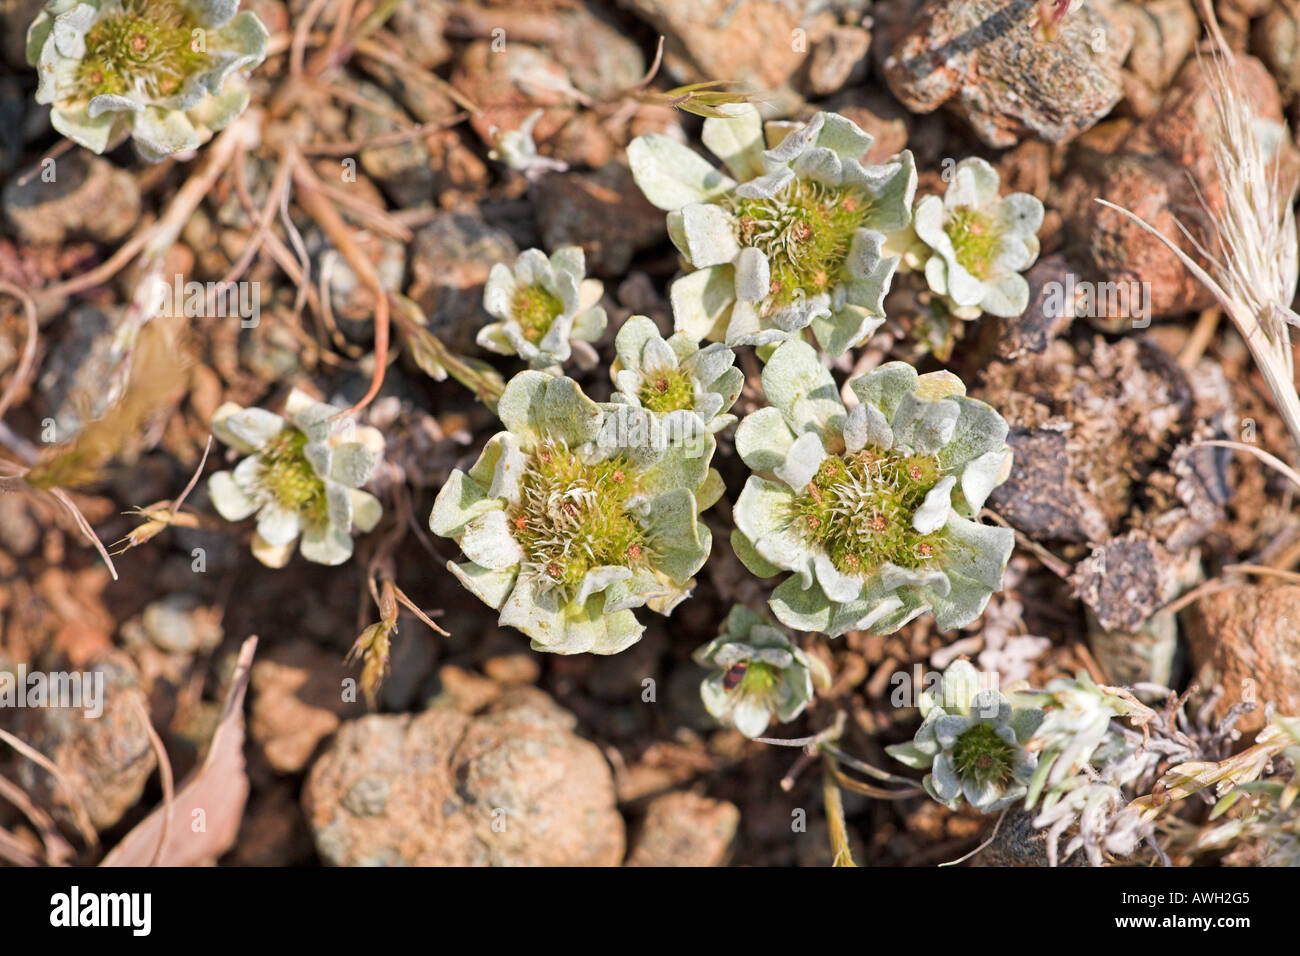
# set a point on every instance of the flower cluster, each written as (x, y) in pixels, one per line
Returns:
(758, 674)
(977, 243)
(973, 743)
(541, 306)
(794, 241)
(161, 72)
(873, 510)
(578, 513)
(675, 374)
(302, 478)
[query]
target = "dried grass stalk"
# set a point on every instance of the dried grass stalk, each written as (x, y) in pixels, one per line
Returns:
(1255, 270)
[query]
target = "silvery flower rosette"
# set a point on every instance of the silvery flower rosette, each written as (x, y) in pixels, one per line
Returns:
(901, 416)
(980, 243)
(323, 464)
(518, 524)
(153, 86)
(575, 316)
(749, 642)
(973, 740)
(790, 188)
(675, 373)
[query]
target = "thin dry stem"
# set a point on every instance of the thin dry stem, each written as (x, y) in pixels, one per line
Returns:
(28, 358)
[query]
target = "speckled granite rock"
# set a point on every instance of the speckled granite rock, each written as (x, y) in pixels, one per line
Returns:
(107, 759)
(987, 61)
(511, 787)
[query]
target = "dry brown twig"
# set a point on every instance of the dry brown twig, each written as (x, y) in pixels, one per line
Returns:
(28, 358)
(165, 771)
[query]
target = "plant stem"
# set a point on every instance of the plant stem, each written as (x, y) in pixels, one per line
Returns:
(835, 815)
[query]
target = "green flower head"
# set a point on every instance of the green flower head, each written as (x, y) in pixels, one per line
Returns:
(542, 305)
(873, 510)
(758, 674)
(159, 71)
(980, 244)
(794, 241)
(302, 478)
(579, 512)
(675, 374)
(973, 742)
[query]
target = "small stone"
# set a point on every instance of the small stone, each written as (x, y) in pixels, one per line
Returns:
(464, 691)
(106, 760)
(685, 829)
(19, 531)
(1277, 39)
(837, 59)
(420, 26)
(1124, 583)
(1247, 639)
(1161, 170)
(1041, 498)
(450, 261)
(352, 300)
(1164, 33)
(1019, 843)
(88, 196)
(505, 662)
(603, 212)
(298, 701)
(508, 84)
(177, 625)
(71, 384)
(749, 42)
(404, 170)
(987, 61)
(601, 61)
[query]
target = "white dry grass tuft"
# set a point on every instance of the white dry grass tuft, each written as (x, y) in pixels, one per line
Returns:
(1255, 269)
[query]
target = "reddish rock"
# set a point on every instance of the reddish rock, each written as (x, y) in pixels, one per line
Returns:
(1164, 33)
(508, 84)
(750, 42)
(836, 59)
(1247, 638)
(513, 787)
(1155, 171)
(685, 829)
(298, 701)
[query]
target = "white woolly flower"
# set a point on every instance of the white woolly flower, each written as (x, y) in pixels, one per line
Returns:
(302, 479)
